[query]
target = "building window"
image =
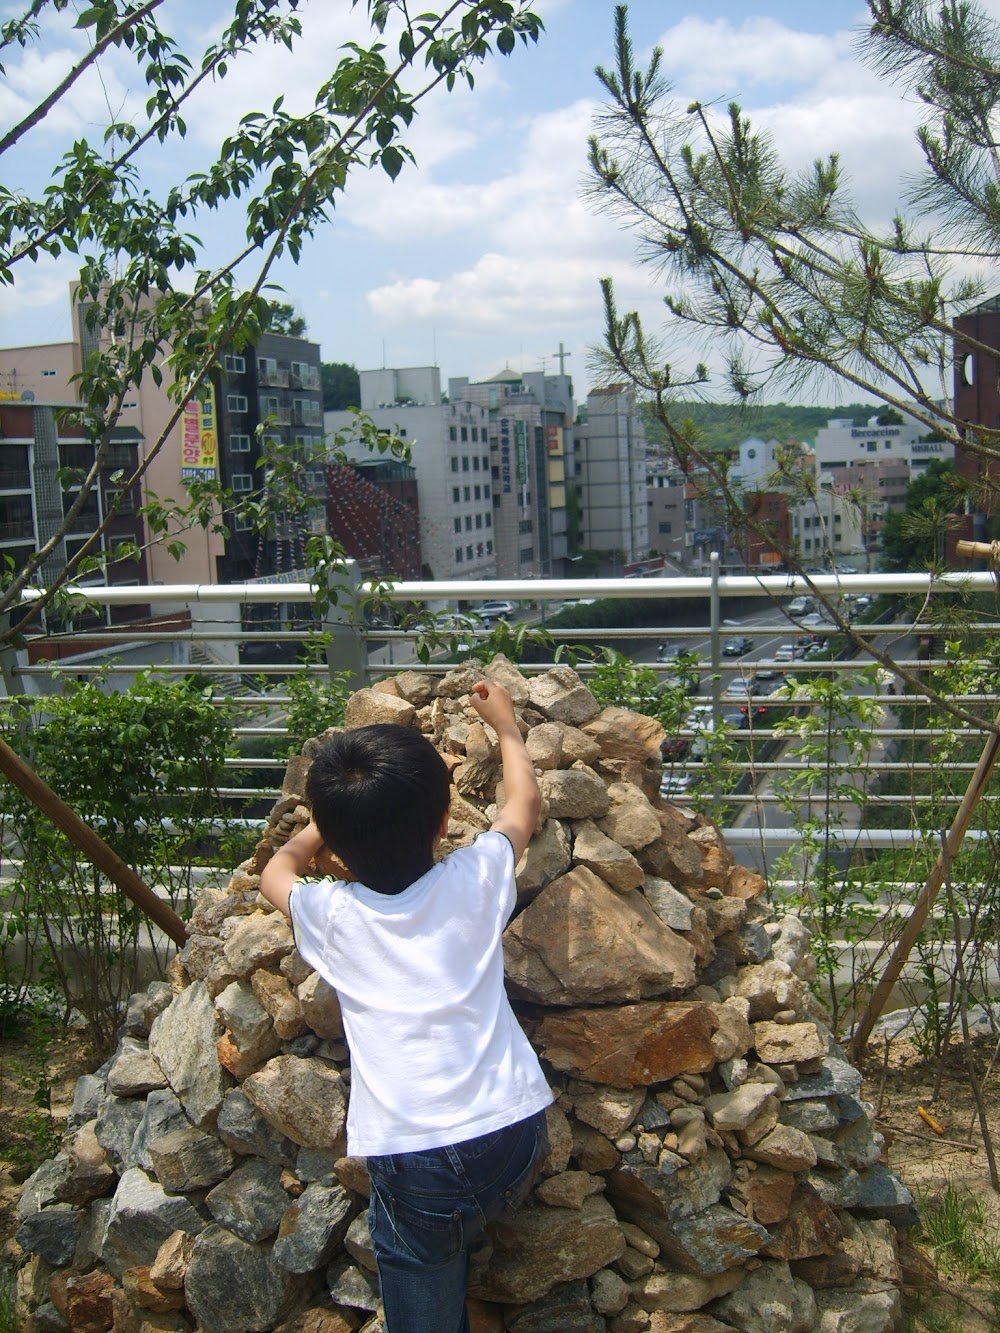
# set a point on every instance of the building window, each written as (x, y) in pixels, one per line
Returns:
(475, 434)
(468, 522)
(454, 465)
(475, 463)
(477, 492)
(458, 555)
(236, 402)
(489, 520)
(468, 553)
(241, 482)
(126, 501)
(489, 548)
(234, 364)
(455, 496)
(479, 520)
(457, 524)
(486, 492)
(48, 374)
(465, 464)
(479, 550)
(242, 523)
(665, 527)
(465, 432)
(239, 444)
(452, 433)
(527, 555)
(467, 493)
(486, 462)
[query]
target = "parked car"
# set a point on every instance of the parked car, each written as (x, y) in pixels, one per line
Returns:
(800, 606)
(737, 646)
(498, 610)
(676, 783)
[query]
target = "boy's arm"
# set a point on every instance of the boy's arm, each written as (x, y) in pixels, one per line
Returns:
(520, 813)
(288, 864)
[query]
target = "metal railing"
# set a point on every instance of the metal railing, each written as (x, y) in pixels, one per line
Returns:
(246, 667)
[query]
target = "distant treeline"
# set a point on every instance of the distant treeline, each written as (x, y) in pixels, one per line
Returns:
(725, 426)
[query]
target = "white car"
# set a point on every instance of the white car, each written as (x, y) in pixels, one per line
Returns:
(498, 610)
(788, 652)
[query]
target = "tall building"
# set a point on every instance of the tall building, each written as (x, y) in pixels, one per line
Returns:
(373, 510)
(450, 455)
(977, 402)
(38, 448)
(270, 393)
(610, 473)
(530, 416)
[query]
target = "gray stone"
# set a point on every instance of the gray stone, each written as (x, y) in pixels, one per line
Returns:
(141, 1217)
(162, 1115)
(47, 1319)
(183, 1041)
(754, 943)
(573, 793)
(640, 1192)
(609, 1292)
(709, 1242)
(839, 1187)
(243, 1014)
(244, 1129)
(250, 1202)
(837, 1077)
(44, 1186)
(91, 1241)
(188, 1159)
(91, 1173)
(566, 1307)
(669, 904)
(811, 1116)
(771, 1300)
(52, 1232)
(882, 1194)
(117, 1122)
(314, 1164)
(561, 696)
(233, 1286)
(351, 1286)
(866, 1307)
(358, 1243)
(134, 1071)
(302, 1098)
(89, 1090)
(735, 1110)
(313, 1227)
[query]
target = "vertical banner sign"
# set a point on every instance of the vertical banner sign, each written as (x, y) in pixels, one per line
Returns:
(200, 437)
(521, 435)
(505, 474)
(553, 439)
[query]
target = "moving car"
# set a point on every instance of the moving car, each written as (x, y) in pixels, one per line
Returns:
(737, 646)
(789, 652)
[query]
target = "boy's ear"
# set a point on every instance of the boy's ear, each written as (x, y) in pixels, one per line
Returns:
(443, 830)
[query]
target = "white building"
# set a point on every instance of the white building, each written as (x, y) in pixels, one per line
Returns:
(610, 463)
(842, 444)
(450, 451)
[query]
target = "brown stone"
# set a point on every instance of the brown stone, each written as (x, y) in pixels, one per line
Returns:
(787, 1043)
(634, 1045)
(622, 734)
(170, 1266)
(786, 1148)
(547, 857)
(352, 1172)
(765, 1193)
(592, 1151)
(322, 1319)
(675, 1292)
(279, 1001)
(580, 941)
(673, 855)
(320, 1007)
(661, 1322)
(744, 883)
(83, 1299)
(611, 1110)
(561, 696)
(537, 1248)
(631, 821)
(810, 1229)
(605, 857)
(141, 1290)
(569, 1189)
(368, 707)
(303, 1099)
(573, 793)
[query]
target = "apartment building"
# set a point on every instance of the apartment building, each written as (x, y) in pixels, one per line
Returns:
(610, 475)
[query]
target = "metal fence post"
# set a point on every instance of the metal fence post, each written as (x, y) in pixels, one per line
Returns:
(715, 625)
(346, 648)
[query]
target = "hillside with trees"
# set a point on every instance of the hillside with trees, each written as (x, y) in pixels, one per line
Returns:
(725, 425)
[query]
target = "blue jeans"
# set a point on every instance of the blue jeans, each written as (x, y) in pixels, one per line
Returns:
(428, 1209)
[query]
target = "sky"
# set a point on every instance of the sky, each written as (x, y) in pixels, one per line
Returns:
(485, 253)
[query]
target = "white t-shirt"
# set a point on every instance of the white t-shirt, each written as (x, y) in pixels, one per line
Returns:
(437, 1055)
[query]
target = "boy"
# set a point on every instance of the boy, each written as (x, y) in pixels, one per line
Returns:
(447, 1097)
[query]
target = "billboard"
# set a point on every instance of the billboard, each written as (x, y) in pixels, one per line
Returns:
(200, 437)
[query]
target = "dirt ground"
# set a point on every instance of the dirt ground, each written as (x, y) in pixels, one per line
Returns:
(898, 1080)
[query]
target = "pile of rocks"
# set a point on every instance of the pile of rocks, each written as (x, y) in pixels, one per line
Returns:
(712, 1166)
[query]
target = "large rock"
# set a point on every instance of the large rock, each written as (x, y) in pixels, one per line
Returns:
(622, 734)
(573, 793)
(233, 1286)
(606, 858)
(303, 1099)
(631, 820)
(547, 856)
(371, 707)
(578, 941)
(538, 1248)
(141, 1218)
(561, 696)
(183, 1041)
(635, 1045)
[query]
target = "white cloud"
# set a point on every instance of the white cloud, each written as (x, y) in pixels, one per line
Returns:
(759, 51)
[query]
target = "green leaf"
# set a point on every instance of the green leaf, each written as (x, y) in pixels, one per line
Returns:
(392, 161)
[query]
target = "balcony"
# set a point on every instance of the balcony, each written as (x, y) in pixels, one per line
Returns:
(272, 376)
(826, 775)
(307, 414)
(304, 376)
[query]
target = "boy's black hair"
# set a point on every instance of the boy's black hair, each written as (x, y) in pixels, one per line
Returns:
(378, 795)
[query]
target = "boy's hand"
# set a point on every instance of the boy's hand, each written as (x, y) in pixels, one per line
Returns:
(516, 821)
(493, 704)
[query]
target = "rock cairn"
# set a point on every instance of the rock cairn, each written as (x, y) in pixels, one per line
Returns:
(712, 1166)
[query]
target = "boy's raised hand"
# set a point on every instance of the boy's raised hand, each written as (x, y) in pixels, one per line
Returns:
(516, 821)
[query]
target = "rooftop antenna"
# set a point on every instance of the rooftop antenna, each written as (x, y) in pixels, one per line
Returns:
(383, 354)
(434, 347)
